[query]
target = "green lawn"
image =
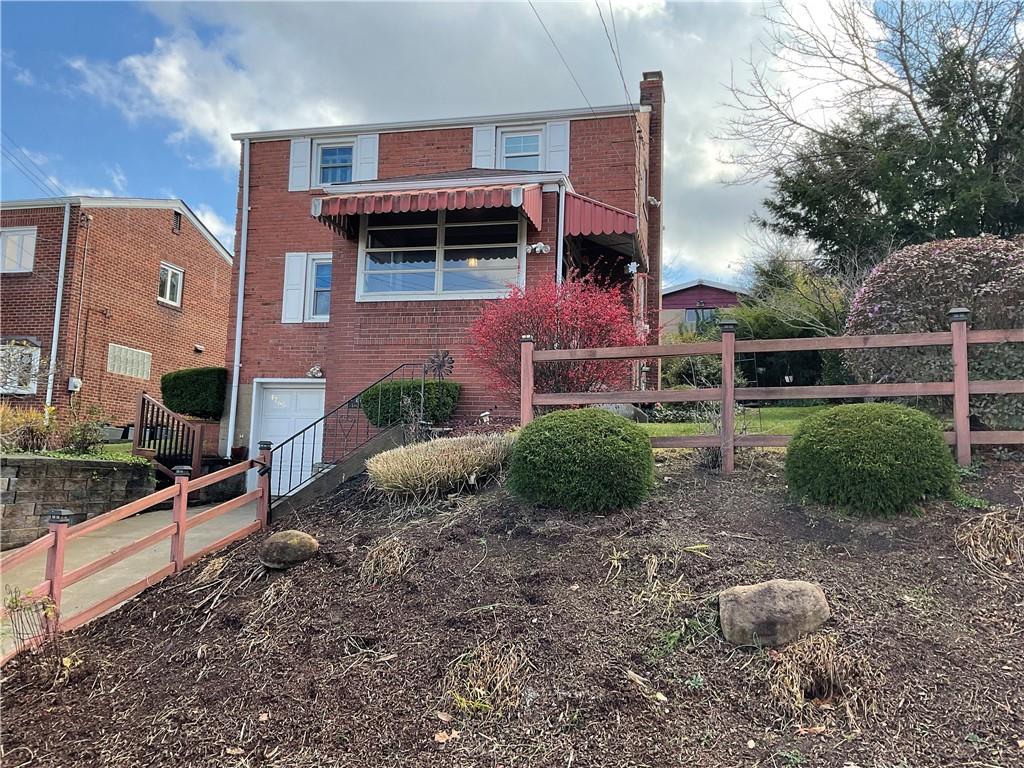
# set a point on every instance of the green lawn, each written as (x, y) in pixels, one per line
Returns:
(125, 447)
(771, 420)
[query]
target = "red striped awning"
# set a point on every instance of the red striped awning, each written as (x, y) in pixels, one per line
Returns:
(525, 196)
(584, 216)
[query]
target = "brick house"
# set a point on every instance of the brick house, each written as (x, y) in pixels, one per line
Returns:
(685, 305)
(360, 248)
(105, 295)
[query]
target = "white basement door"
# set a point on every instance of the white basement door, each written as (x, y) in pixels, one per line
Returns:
(284, 410)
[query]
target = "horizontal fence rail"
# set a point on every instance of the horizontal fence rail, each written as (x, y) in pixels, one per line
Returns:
(958, 339)
(57, 578)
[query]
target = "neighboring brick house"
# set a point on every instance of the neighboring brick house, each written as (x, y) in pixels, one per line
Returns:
(366, 247)
(685, 305)
(142, 288)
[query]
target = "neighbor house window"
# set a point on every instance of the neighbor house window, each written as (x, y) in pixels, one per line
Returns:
(19, 249)
(449, 254)
(335, 163)
(171, 280)
(127, 361)
(520, 150)
(696, 318)
(318, 295)
(19, 368)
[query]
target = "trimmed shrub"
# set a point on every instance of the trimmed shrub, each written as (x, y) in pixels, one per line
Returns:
(912, 290)
(389, 402)
(587, 460)
(873, 458)
(196, 392)
(425, 471)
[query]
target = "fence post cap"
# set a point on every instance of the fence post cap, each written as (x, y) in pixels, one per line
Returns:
(182, 470)
(265, 445)
(60, 516)
(527, 337)
(958, 314)
(727, 326)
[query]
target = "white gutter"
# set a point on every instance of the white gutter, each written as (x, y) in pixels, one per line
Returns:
(236, 368)
(57, 304)
(560, 258)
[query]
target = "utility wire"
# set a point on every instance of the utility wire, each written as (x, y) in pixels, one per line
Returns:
(46, 179)
(559, 52)
(40, 184)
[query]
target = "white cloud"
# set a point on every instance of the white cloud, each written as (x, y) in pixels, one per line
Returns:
(118, 179)
(222, 229)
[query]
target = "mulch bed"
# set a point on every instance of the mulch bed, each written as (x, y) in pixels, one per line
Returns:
(480, 633)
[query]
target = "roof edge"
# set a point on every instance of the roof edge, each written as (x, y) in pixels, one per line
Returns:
(709, 283)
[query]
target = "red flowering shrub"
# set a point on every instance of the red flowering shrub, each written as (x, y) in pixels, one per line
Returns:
(912, 290)
(574, 314)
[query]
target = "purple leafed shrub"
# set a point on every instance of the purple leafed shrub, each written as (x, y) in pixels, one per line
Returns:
(913, 289)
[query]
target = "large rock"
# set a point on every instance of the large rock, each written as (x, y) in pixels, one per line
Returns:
(771, 613)
(287, 548)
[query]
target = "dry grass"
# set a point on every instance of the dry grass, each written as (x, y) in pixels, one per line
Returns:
(994, 543)
(386, 561)
(658, 594)
(487, 679)
(812, 680)
(432, 470)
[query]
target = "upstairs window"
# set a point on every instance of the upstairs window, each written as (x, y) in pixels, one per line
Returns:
(19, 368)
(19, 249)
(449, 254)
(520, 150)
(171, 280)
(335, 163)
(318, 296)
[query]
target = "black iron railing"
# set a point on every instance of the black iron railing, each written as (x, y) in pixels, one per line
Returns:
(333, 437)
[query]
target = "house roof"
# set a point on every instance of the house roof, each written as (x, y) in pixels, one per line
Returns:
(583, 113)
(709, 283)
(124, 202)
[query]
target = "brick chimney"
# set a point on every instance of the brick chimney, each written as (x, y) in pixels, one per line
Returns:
(652, 94)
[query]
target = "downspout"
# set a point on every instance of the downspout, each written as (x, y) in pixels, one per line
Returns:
(57, 304)
(236, 367)
(560, 258)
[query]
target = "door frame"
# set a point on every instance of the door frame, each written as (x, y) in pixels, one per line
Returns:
(258, 385)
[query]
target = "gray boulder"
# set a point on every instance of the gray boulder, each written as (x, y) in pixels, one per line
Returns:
(287, 548)
(771, 613)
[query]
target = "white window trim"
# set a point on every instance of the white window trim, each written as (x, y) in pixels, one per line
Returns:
(181, 284)
(519, 130)
(319, 144)
(436, 295)
(309, 297)
(33, 386)
(19, 232)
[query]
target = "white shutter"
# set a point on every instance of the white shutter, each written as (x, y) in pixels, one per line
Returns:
(298, 166)
(294, 301)
(366, 158)
(557, 140)
(483, 146)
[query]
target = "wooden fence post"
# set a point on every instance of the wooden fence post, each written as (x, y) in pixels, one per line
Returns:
(958, 317)
(263, 480)
(728, 437)
(526, 381)
(182, 473)
(59, 520)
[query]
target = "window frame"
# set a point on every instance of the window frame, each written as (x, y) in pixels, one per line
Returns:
(144, 355)
(181, 284)
(523, 130)
(32, 388)
(318, 146)
(7, 232)
(438, 294)
(309, 293)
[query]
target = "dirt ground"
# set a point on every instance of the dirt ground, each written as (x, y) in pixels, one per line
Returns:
(480, 633)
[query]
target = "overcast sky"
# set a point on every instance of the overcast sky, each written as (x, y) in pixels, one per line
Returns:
(140, 99)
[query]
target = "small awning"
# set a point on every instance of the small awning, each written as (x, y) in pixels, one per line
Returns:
(525, 196)
(584, 216)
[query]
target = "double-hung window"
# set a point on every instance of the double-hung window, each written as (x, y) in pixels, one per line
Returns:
(474, 253)
(318, 293)
(172, 279)
(19, 249)
(334, 163)
(520, 150)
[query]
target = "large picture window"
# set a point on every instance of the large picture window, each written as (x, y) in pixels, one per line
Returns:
(448, 254)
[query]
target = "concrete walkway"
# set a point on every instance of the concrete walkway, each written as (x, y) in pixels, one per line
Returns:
(92, 546)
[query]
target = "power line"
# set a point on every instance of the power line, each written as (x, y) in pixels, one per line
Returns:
(24, 170)
(617, 58)
(564, 62)
(52, 185)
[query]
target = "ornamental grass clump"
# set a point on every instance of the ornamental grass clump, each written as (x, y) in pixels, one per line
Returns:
(870, 458)
(584, 461)
(427, 471)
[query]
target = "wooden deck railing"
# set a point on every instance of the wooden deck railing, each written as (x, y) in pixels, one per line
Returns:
(166, 438)
(56, 578)
(958, 338)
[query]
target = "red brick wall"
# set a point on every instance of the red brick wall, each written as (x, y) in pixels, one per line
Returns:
(415, 152)
(118, 304)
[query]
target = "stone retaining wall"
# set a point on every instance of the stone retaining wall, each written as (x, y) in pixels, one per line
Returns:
(30, 486)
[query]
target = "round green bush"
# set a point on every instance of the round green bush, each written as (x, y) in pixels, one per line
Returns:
(588, 460)
(873, 458)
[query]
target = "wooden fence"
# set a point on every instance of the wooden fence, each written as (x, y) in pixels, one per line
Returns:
(958, 338)
(56, 578)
